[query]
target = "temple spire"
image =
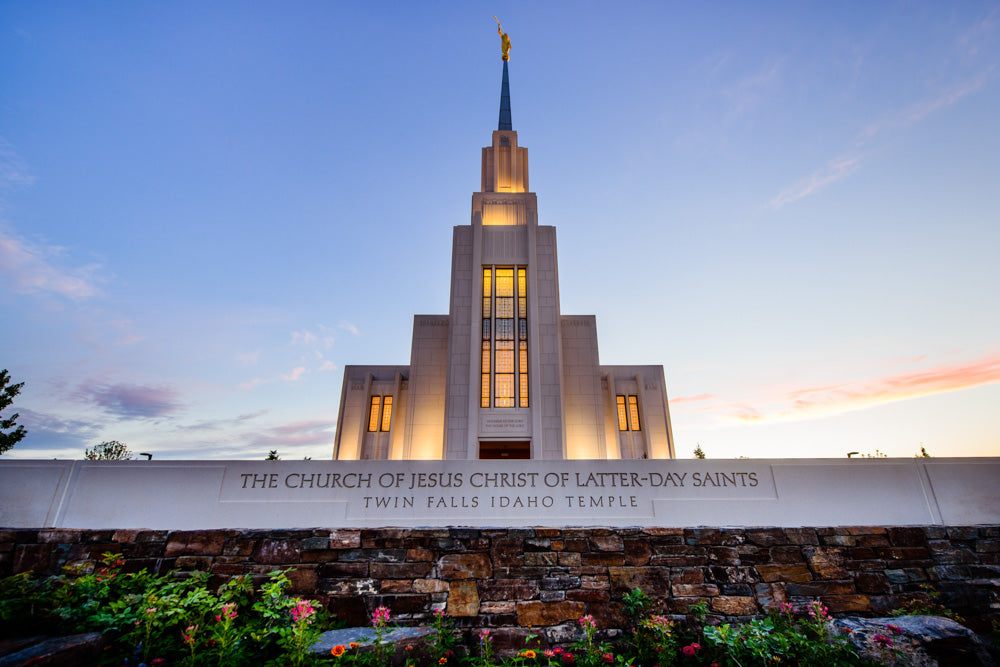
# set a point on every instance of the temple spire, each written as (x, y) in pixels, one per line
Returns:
(505, 122)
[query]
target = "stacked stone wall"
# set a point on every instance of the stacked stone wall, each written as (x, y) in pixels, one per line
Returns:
(530, 579)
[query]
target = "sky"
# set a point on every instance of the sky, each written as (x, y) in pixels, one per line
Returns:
(207, 210)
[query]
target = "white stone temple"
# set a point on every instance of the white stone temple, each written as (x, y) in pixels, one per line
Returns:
(504, 375)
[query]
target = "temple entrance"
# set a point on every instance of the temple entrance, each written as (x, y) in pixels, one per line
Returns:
(505, 449)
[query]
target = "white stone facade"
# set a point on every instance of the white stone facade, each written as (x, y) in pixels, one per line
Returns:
(546, 394)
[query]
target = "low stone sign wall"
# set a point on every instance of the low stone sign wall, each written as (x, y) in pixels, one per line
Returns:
(364, 494)
(523, 580)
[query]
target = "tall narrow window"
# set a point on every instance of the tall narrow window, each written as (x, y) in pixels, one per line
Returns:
(504, 364)
(622, 413)
(628, 412)
(386, 413)
(633, 413)
(522, 331)
(373, 414)
(487, 337)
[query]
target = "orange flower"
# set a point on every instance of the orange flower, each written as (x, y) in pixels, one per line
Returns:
(353, 644)
(337, 651)
(443, 661)
(529, 654)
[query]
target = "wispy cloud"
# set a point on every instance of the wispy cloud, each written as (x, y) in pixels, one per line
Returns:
(832, 172)
(295, 374)
(31, 269)
(311, 432)
(321, 338)
(249, 358)
(692, 399)
(827, 400)
(14, 172)
(749, 91)
(131, 400)
(350, 328)
(850, 160)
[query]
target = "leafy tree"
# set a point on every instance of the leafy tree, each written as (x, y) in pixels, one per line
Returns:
(698, 453)
(923, 453)
(272, 455)
(7, 394)
(109, 450)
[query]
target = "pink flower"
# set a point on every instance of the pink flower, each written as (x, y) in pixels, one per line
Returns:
(568, 658)
(894, 629)
(588, 622)
(882, 640)
(380, 617)
(608, 658)
(302, 611)
(690, 649)
(228, 612)
(558, 651)
(548, 653)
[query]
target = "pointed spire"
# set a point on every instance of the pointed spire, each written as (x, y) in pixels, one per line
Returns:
(505, 123)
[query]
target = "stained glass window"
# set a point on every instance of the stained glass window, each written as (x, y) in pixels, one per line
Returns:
(373, 414)
(622, 413)
(633, 413)
(386, 413)
(505, 309)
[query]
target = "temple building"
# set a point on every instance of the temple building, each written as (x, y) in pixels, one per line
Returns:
(504, 374)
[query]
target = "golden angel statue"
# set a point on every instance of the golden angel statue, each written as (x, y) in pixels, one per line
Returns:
(504, 40)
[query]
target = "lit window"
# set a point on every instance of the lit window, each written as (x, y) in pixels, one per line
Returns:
(386, 413)
(633, 413)
(373, 414)
(628, 412)
(505, 310)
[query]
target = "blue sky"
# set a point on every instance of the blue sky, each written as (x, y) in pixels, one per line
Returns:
(207, 210)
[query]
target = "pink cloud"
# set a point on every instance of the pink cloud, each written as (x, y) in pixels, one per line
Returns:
(823, 401)
(31, 269)
(691, 399)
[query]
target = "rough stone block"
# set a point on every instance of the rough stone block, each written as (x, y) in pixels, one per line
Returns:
(654, 581)
(607, 543)
(839, 604)
(465, 566)
(907, 536)
(277, 552)
(637, 552)
(508, 589)
(770, 596)
(790, 572)
(603, 559)
(871, 582)
(802, 536)
(429, 586)
(558, 583)
(694, 590)
(536, 613)
(400, 570)
(463, 598)
(542, 558)
(345, 539)
(195, 543)
(398, 586)
(826, 562)
(766, 537)
(497, 607)
(734, 606)
(59, 536)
